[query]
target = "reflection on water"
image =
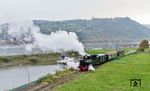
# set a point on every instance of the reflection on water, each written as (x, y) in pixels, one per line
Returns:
(17, 76)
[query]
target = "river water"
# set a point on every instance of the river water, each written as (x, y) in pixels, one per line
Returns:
(10, 50)
(17, 76)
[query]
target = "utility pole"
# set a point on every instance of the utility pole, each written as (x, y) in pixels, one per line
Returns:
(27, 71)
(28, 74)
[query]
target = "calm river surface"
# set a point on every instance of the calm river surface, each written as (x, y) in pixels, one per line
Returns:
(17, 76)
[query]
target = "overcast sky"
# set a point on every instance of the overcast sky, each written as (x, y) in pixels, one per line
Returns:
(138, 10)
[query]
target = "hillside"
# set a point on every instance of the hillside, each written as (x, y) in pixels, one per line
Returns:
(148, 26)
(99, 28)
(95, 29)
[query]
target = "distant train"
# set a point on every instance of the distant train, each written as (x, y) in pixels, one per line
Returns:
(98, 59)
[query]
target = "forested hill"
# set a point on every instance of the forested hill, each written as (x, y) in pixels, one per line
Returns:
(93, 29)
(98, 28)
(148, 26)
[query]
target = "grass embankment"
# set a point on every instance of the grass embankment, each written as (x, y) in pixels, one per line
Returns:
(114, 76)
(50, 78)
(106, 50)
(35, 59)
(129, 49)
(98, 51)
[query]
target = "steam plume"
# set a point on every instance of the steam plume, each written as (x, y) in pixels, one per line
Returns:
(29, 34)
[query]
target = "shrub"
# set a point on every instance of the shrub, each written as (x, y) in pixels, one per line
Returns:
(144, 44)
(4, 60)
(33, 60)
(140, 50)
(24, 56)
(49, 78)
(72, 53)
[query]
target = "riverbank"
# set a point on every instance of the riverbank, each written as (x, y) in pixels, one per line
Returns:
(44, 58)
(50, 83)
(35, 59)
(41, 86)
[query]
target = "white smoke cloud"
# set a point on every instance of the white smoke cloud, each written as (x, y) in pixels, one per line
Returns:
(22, 31)
(29, 34)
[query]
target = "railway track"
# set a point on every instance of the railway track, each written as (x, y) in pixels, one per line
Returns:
(48, 87)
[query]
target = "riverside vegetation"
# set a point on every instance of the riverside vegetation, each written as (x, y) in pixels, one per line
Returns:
(44, 58)
(34, 59)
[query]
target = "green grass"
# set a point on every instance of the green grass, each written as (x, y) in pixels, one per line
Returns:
(50, 78)
(114, 76)
(129, 49)
(106, 50)
(97, 51)
(46, 58)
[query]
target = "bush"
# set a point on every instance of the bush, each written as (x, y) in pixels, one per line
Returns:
(140, 50)
(4, 60)
(144, 44)
(72, 53)
(49, 78)
(33, 60)
(24, 56)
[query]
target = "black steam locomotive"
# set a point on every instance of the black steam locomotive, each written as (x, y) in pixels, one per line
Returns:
(98, 59)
